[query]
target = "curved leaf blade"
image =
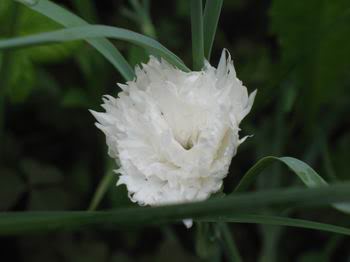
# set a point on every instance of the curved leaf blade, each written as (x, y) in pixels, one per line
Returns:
(21, 222)
(68, 19)
(280, 221)
(304, 172)
(95, 31)
(197, 34)
(211, 18)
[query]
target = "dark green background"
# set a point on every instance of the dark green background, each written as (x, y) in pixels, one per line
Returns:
(296, 53)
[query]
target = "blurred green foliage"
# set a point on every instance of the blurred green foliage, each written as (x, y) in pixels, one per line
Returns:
(296, 53)
(23, 64)
(315, 37)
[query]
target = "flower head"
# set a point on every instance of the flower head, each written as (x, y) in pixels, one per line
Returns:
(173, 132)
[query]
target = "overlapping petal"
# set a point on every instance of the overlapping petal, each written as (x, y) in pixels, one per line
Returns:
(174, 133)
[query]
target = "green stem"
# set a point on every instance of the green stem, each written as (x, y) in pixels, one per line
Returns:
(207, 247)
(202, 249)
(102, 188)
(197, 34)
(229, 243)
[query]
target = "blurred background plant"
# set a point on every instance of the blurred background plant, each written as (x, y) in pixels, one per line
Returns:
(296, 53)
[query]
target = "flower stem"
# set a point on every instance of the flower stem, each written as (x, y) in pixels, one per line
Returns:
(229, 243)
(102, 188)
(197, 34)
(207, 247)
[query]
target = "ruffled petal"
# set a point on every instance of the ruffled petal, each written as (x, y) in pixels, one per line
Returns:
(174, 133)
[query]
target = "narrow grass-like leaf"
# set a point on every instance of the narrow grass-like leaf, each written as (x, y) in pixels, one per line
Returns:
(305, 173)
(102, 189)
(280, 221)
(68, 19)
(197, 34)
(210, 22)
(21, 222)
(95, 31)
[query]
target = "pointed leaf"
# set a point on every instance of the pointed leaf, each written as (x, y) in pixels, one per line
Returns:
(68, 19)
(304, 172)
(95, 31)
(21, 222)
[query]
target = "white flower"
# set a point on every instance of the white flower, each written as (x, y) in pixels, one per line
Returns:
(174, 132)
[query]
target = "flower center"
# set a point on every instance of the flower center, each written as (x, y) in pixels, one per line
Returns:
(186, 138)
(188, 145)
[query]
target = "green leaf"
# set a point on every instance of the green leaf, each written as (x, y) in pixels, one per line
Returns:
(280, 221)
(314, 37)
(68, 19)
(76, 97)
(5, 13)
(205, 241)
(31, 22)
(21, 222)
(95, 31)
(197, 34)
(22, 77)
(140, 14)
(229, 243)
(304, 172)
(210, 22)
(16, 69)
(137, 55)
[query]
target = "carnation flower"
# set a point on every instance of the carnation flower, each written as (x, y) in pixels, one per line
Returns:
(174, 133)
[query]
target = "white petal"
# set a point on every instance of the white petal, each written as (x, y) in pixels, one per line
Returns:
(174, 133)
(188, 222)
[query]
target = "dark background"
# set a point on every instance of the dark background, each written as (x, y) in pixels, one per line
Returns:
(296, 53)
